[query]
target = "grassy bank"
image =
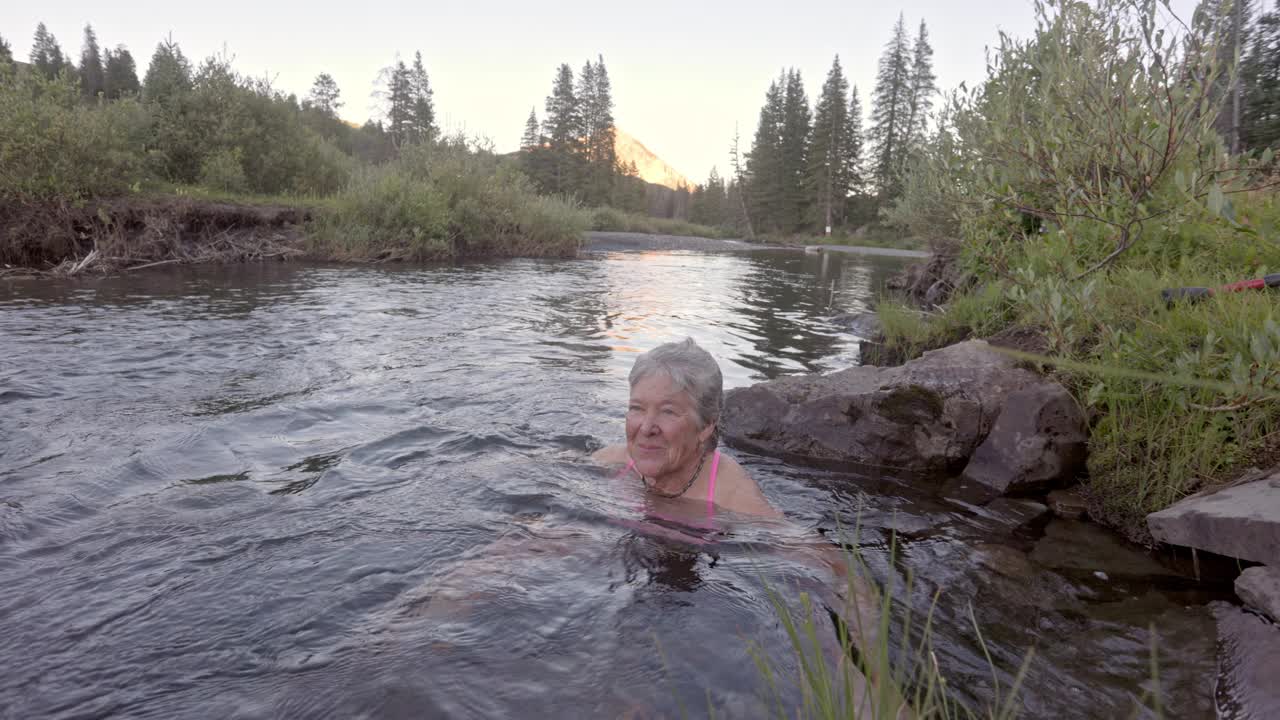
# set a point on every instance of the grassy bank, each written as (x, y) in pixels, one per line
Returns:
(1183, 397)
(1070, 223)
(607, 219)
(874, 235)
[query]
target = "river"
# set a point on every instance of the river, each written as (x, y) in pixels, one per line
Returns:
(221, 487)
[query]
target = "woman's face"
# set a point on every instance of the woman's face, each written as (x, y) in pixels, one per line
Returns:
(662, 427)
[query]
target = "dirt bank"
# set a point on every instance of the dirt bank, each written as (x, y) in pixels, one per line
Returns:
(65, 239)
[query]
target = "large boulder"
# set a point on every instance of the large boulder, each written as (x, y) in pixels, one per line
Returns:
(925, 417)
(1039, 441)
(1242, 521)
(1259, 588)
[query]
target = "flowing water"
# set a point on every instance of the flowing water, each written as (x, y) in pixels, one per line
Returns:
(314, 491)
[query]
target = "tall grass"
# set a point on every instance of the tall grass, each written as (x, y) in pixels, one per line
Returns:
(615, 220)
(864, 682)
(439, 202)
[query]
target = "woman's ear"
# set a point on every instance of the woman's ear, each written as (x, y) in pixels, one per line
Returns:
(705, 433)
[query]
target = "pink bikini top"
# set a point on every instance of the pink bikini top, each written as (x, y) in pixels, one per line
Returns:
(711, 482)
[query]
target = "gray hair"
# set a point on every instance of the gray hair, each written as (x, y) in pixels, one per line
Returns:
(694, 371)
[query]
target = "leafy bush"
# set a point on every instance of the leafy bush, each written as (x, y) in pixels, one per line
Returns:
(442, 201)
(223, 171)
(53, 146)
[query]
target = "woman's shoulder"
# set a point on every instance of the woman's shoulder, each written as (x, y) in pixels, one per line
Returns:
(611, 455)
(729, 468)
(737, 491)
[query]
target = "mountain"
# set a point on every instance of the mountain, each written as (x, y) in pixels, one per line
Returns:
(651, 167)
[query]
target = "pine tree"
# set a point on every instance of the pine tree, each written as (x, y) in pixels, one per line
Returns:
(1260, 76)
(533, 157)
(923, 86)
(6, 52)
(599, 154)
(827, 178)
(120, 78)
(532, 138)
(796, 121)
(422, 109)
(399, 102)
(735, 195)
(92, 75)
(168, 76)
(890, 108)
(853, 159)
(765, 174)
(713, 201)
(325, 95)
(564, 133)
(46, 54)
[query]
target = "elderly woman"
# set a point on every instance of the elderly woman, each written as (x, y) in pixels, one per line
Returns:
(673, 416)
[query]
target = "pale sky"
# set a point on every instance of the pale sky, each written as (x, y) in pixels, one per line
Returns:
(683, 73)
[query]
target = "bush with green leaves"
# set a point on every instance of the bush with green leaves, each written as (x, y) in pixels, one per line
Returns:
(1100, 127)
(56, 147)
(444, 200)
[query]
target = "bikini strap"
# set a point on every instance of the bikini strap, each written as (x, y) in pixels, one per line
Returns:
(711, 484)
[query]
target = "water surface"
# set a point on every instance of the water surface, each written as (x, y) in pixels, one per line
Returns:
(315, 491)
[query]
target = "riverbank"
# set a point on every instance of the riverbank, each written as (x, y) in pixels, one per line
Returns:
(1132, 361)
(98, 236)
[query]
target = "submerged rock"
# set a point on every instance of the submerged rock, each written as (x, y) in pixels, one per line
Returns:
(1248, 665)
(1259, 588)
(925, 417)
(1242, 521)
(1069, 504)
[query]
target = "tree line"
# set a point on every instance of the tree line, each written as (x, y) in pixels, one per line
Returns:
(810, 169)
(206, 124)
(814, 168)
(572, 151)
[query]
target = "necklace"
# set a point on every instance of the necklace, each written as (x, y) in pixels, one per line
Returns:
(685, 489)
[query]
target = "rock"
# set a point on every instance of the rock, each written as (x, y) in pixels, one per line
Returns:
(1248, 662)
(1039, 441)
(1242, 521)
(1069, 504)
(1004, 560)
(937, 293)
(924, 417)
(1259, 588)
(865, 325)
(1011, 513)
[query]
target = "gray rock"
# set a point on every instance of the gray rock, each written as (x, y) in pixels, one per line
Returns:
(1259, 588)
(866, 325)
(1248, 664)
(937, 293)
(1069, 504)
(924, 417)
(1013, 513)
(1242, 521)
(1038, 442)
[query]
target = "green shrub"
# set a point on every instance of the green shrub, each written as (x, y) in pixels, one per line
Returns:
(222, 171)
(443, 201)
(53, 146)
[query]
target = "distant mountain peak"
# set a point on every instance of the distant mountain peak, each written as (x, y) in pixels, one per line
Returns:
(652, 168)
